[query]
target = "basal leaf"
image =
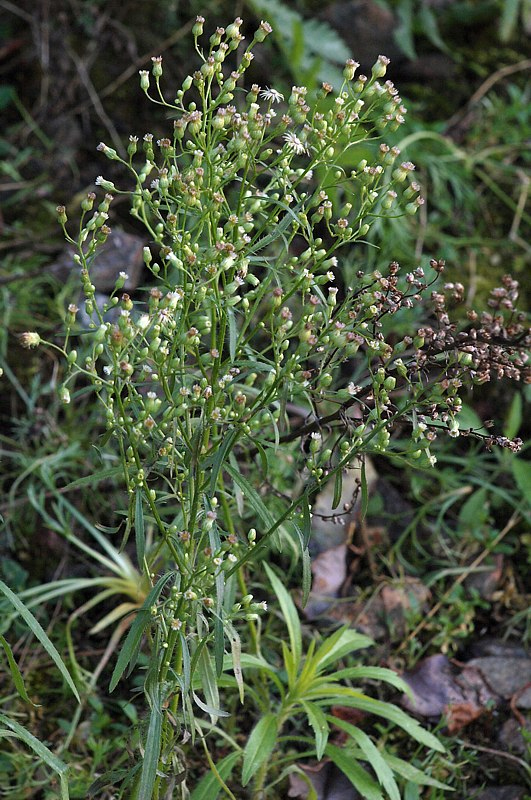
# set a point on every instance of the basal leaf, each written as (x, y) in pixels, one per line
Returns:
(152, 749)
(319, 725)
(38, 631)
(289, 612)
(209, 787)
(375, 758)
(359, 778)
(40, 750)
(259, 746)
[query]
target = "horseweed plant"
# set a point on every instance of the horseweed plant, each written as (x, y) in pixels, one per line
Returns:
(250, 377)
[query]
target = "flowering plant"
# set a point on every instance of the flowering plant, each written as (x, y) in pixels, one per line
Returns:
(254, 372)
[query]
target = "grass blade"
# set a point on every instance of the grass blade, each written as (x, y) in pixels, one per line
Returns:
(38, 631)
(18, 680)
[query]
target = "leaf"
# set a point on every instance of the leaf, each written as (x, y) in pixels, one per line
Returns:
(306, 566)
(375, 758)
(259, 746)
(338, 488)
(152, 749)
(372, 673)
(475, 510)
(353, 699)
(250, 493)
(430, 28)
(40, 750)
(522, 475)
(208, 682)
(209, 787)
(364, 491)
(319, 724)
(340, 644)
(233, 333)
(219, 458)
(140, 534)
(18, 680)
(468, 418)
(508, 21)
(93, 478)
(513, 422)
(411, 773)
(132, 641)
(358, 777)
(289, 612)
(306, 519)
(41, 635)
(403, 34)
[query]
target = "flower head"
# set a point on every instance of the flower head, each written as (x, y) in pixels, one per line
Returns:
(294, 143)
(272, 95)
(29, 339)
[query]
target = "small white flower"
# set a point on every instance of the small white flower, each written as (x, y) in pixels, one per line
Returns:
(124, 276)
(107, 369)
(294, 143)
(272, 95)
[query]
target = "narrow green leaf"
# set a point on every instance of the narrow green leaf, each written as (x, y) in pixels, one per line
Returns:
(358, 777)
(219, 640)
(353, 699)
(338, 488)
(208, 682)
(364, 491)
(132, 641)
(219, 458)
(403, 33)
(152, 749)
(94, 478)
(371, 673)
(140, 534)
(41, 635)
(319, 725)
(209, 787)
(18, 680)
(430, 28)
(306, 576)
(306, 519)
(259, 746)
(233, 333)
(411, 773)
(289, 612)
(522, 475)
(306, 565)
(375, 758)
(40, 750)
(339, 644)
(212, 711)
(513, 422)
(236, 654)
(251, 495)
(509, 18)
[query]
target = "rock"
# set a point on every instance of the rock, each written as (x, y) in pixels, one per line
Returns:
(506, 676)
(122, 252)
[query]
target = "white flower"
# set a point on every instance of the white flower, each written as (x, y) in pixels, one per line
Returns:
(272, 95)
(294, 143)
